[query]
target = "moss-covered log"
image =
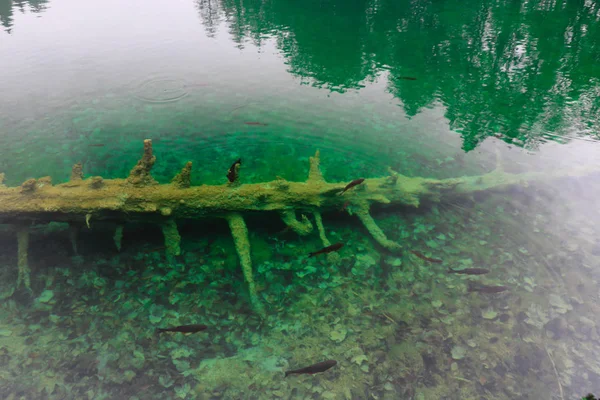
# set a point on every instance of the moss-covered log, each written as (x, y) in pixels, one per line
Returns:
(120, 200)
(139, 196)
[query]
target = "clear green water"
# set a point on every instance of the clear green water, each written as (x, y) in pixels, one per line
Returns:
(505, 83)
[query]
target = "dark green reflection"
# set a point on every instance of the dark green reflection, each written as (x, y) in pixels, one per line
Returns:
(8, 7)
(515, 69)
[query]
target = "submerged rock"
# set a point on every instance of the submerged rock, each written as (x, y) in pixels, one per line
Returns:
(489, 314)
(586, 326)
(559, 304)
(5, 332)
(536, 316)
(338, 335)
(393, 261)
(365, 260)
(458, 352)
(558, 327)
(46, 296)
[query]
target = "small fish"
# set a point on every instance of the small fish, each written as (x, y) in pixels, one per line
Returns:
(96, 145)
(469, 271)
(328, 249)
(407, 78)
(352, 184)
(313, 369)
(232, 173)
(255, 123)
(184, 328)
(487, 289)
(421, 256)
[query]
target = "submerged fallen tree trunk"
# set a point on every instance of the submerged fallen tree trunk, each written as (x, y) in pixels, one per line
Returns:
(83, 201)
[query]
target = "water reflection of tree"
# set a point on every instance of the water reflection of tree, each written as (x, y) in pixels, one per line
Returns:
(210, 13)
(7, 9)
(500, 67)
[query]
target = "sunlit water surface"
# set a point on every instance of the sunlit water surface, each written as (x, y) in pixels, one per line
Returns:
(433, 89)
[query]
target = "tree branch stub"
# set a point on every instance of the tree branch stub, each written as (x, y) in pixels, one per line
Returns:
(140, 174)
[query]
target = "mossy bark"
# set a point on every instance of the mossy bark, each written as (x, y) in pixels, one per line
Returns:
(332, 258)
(73, 236)
(239, 232)
(183, 179)
(118, 237)
(23, 263)
(172, 239)
(302, 228)
(119, 200)
(363, 214)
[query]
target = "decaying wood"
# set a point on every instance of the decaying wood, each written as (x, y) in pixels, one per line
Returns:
(81, 201)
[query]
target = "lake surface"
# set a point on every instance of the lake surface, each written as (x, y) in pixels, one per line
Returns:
(495, 104)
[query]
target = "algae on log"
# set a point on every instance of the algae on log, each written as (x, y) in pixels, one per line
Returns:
(118, 237)
(118, 200)
(73, 234)
(172, 239)
(183, 179)
(242, 246)
(23, 264)
(141, 197)
(301, 228)
(140, 174)
(333, 258)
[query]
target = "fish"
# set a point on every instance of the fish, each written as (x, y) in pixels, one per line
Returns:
(487, 289)
(96, 145)
(313, 369)
(421, 256)
(232, 173)
(469, 271)
(328, 249)
(407, 78)
(352, 184)
(255, 123)
(184, 328)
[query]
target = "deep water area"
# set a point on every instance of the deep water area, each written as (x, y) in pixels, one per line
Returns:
(448, 151)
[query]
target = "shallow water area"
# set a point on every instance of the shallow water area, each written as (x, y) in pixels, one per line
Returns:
(469, 265)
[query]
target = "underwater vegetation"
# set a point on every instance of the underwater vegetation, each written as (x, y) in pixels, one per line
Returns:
(84, 322)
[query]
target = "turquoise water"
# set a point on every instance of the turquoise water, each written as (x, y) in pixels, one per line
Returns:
(505, 91)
